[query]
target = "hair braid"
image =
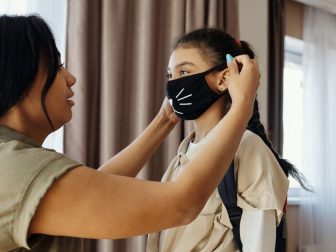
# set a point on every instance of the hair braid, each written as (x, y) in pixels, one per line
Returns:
(257, 127)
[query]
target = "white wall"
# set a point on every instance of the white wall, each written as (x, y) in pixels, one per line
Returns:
(253, 25)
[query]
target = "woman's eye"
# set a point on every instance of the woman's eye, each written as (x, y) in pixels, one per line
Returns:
(60, 66)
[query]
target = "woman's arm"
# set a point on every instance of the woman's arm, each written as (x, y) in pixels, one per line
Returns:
(130, 160)
(87, 203)
(91, 204)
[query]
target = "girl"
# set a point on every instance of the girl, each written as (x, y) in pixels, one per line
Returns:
(47, 200)
(198, 90)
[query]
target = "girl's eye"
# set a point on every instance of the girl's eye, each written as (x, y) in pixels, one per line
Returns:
(182, 72)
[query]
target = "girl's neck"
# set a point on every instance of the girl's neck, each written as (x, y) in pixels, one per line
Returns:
(209, 119)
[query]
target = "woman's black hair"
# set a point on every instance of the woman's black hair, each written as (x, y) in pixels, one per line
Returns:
(213, 45)
(25, 41)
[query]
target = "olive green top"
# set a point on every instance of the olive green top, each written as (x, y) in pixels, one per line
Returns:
(27, 171)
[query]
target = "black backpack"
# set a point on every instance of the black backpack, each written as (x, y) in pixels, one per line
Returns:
(228, 193)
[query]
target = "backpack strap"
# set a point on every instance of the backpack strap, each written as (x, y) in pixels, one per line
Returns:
(281, 236)
(228, 193)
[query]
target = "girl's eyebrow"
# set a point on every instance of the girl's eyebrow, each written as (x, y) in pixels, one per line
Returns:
(181, 64)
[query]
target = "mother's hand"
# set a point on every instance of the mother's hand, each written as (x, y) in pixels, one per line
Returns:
(168, 112)
(243, 85)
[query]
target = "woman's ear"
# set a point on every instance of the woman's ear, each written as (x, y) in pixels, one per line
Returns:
(223, 81)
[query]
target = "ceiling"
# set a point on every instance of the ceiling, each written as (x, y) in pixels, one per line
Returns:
(327, 5)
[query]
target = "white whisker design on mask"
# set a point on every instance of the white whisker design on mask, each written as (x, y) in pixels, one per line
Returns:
(184, 97)
(171, 103)
(179, 93)
(185, 104)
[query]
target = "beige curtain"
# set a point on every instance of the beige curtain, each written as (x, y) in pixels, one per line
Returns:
(276, 36)
(119, 50)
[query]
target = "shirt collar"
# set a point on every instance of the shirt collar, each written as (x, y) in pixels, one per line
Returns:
(182, 150)
(8, 134)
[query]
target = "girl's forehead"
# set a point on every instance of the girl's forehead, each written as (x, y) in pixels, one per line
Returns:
(191, 52)
(181, 54)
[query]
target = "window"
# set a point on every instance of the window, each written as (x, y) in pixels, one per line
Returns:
(293, 107)
(54, 13)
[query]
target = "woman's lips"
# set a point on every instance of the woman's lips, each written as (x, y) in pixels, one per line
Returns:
(72, 103)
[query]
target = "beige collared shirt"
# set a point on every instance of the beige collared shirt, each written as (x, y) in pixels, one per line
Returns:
(261, 185)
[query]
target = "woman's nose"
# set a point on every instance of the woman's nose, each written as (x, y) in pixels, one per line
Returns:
(71, 79)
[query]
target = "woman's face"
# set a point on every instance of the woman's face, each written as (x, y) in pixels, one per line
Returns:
(188, 61)
(57, 102)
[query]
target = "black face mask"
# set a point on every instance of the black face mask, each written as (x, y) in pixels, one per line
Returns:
(191, 96)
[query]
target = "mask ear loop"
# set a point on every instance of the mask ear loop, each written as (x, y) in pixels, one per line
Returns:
(216, 68)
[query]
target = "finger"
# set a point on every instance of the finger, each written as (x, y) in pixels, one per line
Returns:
(244, 59)
(233, 68)
(255, 63)
(246, 64)
(256, 66)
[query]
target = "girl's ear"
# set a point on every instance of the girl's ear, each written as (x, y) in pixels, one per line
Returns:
(223, 80)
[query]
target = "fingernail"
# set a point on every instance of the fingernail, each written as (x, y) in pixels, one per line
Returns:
(229, 58)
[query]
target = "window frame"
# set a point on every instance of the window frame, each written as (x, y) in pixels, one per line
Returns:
(293, 53)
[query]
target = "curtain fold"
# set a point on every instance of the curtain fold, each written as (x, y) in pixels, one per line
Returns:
(276, 34)
(317, 216)
(119, 51)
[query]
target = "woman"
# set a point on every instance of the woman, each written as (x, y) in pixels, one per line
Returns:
(47, 199)
(198, 90)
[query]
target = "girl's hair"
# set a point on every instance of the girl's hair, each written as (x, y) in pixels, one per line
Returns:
(213, 45)
(25, 42)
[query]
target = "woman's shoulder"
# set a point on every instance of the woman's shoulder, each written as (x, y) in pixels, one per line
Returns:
(18, 152)
(21, 160)
(26, 174)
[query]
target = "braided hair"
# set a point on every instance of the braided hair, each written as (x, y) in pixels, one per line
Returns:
(214, 44)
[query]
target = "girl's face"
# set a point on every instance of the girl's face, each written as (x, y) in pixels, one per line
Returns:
(57, 102)
(188, 61)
